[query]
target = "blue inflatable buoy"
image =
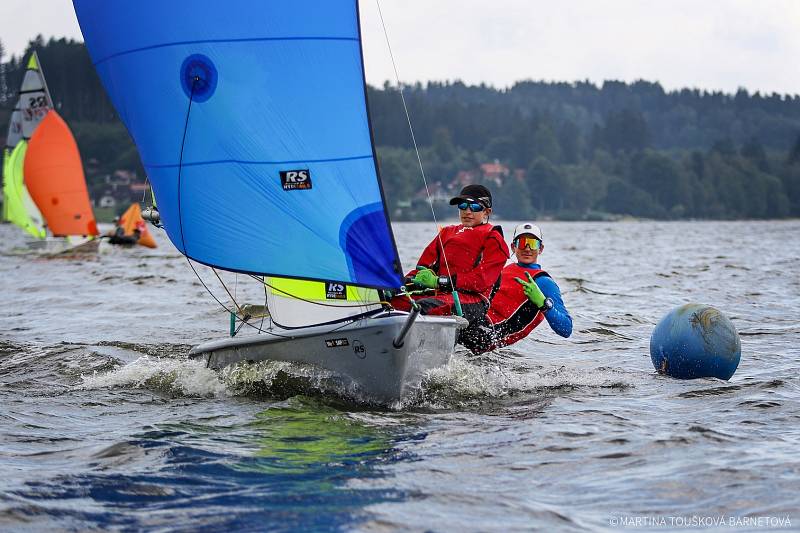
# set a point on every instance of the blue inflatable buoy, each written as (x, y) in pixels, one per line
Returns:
(695, 341)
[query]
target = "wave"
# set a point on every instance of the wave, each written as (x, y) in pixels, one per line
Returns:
(463, 382)
(177, 377)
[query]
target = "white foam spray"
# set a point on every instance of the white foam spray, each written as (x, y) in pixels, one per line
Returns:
(176, 376)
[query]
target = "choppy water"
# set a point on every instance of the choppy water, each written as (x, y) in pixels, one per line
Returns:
(106, 425)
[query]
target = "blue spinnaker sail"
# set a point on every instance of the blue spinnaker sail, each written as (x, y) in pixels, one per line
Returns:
(251, 120)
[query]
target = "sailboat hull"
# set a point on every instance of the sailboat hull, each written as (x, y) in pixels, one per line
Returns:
(61, 246)
(362, 353)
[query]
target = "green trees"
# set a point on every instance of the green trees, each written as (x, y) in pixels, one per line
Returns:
(664, 179)
(514, 200)
(623, 131)
(547, 186)
(620, 149)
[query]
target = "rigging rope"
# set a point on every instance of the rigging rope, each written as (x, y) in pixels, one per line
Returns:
(413, 137)
(180, 161)
(233, 298)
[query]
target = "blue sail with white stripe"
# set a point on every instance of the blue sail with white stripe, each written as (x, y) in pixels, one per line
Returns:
(251, 121)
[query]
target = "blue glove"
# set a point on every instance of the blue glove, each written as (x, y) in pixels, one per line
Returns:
(532, 291)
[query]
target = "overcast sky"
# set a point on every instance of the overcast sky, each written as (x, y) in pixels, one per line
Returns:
(708, 44)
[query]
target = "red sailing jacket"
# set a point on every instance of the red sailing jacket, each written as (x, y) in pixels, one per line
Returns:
(475, 256)
(511, 313)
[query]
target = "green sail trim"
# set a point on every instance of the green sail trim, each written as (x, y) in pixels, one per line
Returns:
(319, 291)
(21, 210)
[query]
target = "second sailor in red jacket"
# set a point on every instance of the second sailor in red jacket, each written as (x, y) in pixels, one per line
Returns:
(467, 257)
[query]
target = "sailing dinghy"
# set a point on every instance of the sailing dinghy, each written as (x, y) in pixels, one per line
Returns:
(32, 105)
(131, 229)
(251, 120)
(43, 181)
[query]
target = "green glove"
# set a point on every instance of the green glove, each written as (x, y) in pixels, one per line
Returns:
(426, 278)
(532, 291)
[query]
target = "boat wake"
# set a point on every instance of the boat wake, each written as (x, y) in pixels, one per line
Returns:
(172, 376)
(463, 383)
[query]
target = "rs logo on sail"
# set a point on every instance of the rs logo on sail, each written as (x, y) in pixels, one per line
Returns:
(335, 291)
(295, 179)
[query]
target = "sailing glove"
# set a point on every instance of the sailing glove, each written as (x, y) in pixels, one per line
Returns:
(426, 278)
(532, 291)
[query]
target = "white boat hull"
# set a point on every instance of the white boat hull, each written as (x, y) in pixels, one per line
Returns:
(361, 353)
(63, 246)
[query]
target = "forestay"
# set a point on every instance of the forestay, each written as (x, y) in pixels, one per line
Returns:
(251, 120)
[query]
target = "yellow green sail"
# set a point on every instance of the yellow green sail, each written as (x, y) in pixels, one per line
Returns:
(321, 291)
(296, 302)
(20, 208)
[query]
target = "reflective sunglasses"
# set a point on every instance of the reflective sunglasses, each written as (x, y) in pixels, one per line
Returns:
(475, 207)
(531, 243)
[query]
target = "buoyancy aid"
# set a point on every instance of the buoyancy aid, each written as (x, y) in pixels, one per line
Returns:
(510, 312)
(475, 256)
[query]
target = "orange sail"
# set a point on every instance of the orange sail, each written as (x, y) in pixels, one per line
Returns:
(132, 220)
(55, 181)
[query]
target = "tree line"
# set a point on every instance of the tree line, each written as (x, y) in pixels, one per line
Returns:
(581, 150)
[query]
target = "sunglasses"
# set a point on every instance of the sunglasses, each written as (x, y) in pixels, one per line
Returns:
(475, 207)
(527, 242)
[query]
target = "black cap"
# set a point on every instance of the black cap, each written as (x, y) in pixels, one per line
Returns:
(477, 193)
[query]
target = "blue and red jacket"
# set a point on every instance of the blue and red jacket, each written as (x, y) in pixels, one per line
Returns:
(513, 316)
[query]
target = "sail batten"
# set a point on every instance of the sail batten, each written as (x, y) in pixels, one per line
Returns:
(243, 162)
(219, 41)
(252, 121)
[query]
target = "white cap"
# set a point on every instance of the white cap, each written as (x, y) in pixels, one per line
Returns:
(528, 229)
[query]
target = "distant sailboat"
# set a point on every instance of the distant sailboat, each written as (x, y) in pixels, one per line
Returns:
(32, 105)
(43, 175)
(131, 229)
(55, 180)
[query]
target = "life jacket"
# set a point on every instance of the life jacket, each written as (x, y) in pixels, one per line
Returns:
(468, 256)
(510, 312)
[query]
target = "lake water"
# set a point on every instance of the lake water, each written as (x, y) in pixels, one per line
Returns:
(106, 425)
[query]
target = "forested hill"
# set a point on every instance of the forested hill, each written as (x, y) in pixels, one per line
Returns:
(570, 150)
(625, 116)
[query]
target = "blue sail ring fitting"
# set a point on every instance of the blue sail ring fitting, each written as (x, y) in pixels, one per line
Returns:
(198, 77)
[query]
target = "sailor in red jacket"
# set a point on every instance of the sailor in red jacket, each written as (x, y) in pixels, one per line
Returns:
(525, 296)
(467, 257)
